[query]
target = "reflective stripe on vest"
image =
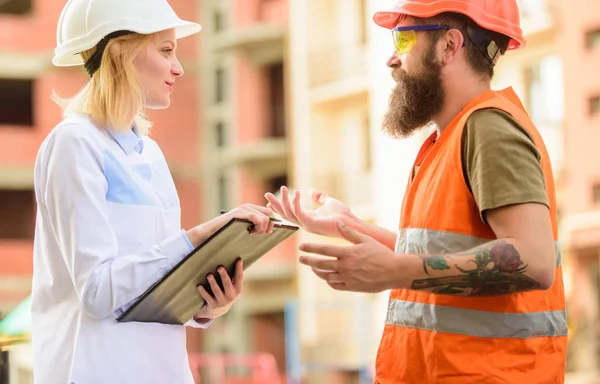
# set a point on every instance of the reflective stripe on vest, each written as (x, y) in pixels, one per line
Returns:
(476, 323)
(430, 242)
(461, 321)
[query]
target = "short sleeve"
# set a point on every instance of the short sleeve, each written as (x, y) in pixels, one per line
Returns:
(501, 163)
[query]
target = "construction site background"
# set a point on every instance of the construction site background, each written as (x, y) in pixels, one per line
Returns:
(292, 92)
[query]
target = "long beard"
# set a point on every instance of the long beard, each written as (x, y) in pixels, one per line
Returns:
(416, 99)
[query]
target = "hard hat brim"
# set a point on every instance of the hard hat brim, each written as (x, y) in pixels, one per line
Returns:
(71, 57)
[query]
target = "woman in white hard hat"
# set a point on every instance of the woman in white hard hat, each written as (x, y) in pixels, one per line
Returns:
(108, 221)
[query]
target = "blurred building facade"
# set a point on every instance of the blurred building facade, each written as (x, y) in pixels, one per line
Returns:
(291, 92)
(332, 147)
(27, 114)
(26, 81)
(556, 76)
(340, 86)
(578, 44)
(246, 152)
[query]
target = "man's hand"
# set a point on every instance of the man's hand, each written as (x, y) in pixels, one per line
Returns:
(222, 300)
(364, 266)
(321, 221)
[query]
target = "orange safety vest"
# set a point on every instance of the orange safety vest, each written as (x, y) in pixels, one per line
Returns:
(518, 338)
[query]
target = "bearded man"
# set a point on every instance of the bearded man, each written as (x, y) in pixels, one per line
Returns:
(474, 271)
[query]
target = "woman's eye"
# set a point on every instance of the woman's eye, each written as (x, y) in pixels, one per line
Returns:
(168, 50)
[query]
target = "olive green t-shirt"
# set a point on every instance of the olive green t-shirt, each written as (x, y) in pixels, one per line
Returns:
(500, 162)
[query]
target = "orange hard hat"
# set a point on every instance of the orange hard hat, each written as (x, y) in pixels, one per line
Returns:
(501, 16)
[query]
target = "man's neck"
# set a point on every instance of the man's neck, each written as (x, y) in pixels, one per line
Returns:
(456, 100)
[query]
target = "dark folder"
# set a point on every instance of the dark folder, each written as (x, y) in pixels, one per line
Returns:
(175, 299)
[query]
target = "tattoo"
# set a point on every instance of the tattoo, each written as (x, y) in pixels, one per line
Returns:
(498, 269)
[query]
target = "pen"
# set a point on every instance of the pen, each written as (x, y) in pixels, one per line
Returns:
(270, 218)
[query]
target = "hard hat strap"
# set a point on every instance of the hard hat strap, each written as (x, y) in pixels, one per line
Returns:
(93, 63)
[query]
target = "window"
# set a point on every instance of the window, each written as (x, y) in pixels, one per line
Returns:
(594, 106)
(223, 193)
(592, 39)
(18, 214)
(274, 184)
(545, 102)
(596, 193)
(545, 90)
(219, 21)
(276, 100)
(219, 85)
(15, 7)
(16, 102)
(220, 134)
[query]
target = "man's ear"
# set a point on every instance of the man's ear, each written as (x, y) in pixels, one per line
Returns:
(452, 42)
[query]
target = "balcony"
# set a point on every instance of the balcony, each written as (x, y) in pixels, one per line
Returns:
(263, 43)
(16, 177)
(337, 72)
(263, 158)
(24, 64)
(581, 231)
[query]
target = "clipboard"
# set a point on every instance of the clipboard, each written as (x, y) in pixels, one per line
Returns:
(174, 299)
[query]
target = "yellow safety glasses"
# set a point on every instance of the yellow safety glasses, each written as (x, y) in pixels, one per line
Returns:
(405, 38)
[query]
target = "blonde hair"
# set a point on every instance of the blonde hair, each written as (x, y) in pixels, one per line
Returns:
(113, 97)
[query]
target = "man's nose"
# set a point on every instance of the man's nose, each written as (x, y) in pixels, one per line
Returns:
(394, 60)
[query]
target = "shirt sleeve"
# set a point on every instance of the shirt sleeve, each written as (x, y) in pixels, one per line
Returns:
(501, 164)
(202, 325)
(73, 189)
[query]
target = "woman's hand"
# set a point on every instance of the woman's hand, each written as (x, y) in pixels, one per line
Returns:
(221, 300)
(259, 216)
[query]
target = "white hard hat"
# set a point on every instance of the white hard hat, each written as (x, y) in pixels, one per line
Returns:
(83, 23)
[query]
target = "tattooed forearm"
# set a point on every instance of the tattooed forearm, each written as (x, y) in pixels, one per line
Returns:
(494, 268)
